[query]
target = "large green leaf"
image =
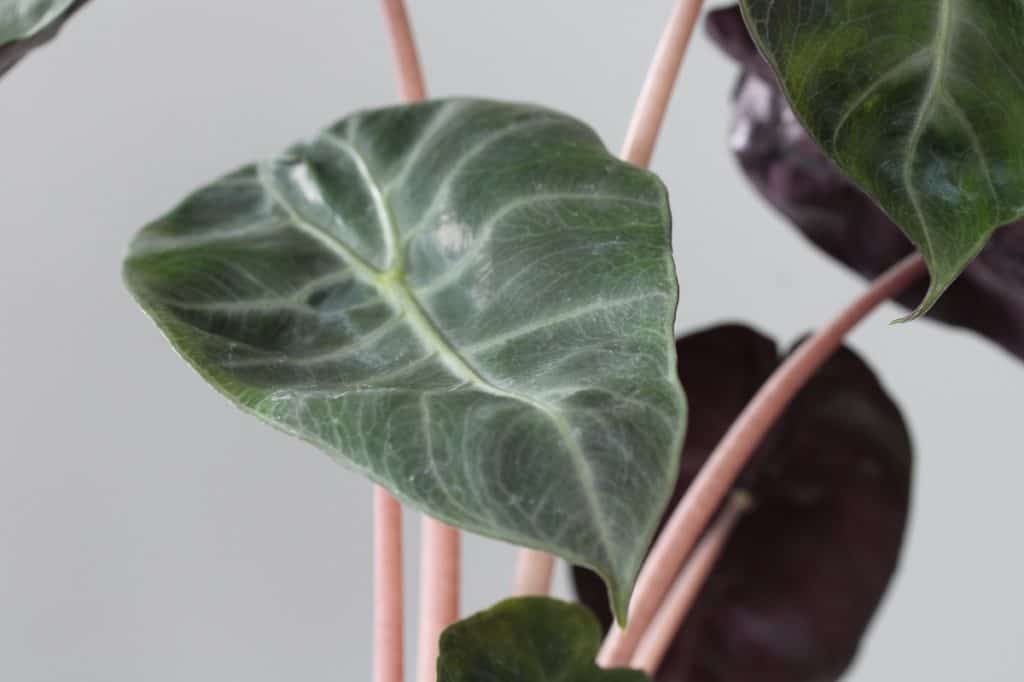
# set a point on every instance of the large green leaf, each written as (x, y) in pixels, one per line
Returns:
(531, 639)
(471, 302)
(919, 102)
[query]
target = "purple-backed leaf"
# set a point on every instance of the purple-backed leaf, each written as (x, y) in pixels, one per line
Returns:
(25, 26)
(726, 29)
(792, 172)
(802, 575)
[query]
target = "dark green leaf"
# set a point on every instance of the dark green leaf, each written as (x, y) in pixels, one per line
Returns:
(532, 639)
(920, 103)
(791, 172)
(804, 571)
(470, 302)
(27, 24)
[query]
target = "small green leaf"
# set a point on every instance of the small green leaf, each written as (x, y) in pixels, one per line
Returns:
(920, 103)
(24, 18)
(531, 639)
(27, 24)
(470, 302)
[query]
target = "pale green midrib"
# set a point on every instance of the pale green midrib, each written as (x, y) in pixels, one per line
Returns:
(942, 48)
(360, 268)
(387, 220)
(392, 287)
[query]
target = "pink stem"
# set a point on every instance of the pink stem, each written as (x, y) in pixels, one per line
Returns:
(534, 572)
(670, 617)
(661, 78)
(403, 46)
(387, 588)
(712, 484)
(439, 590)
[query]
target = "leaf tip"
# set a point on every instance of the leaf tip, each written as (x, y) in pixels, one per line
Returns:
(618, 597)
(936, 287)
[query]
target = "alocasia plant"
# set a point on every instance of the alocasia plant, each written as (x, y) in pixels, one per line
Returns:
(472, 303)
(27, 24)
(469, 301)
(792, 172)
(805, 569)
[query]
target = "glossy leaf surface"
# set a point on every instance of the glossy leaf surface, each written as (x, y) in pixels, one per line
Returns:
(471, 302)
(27, 24)
(804, 571)
(919, 103)
(531, 639)
(791, 171)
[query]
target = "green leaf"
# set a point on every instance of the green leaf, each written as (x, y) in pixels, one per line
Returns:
(23, 18)
(531, 639)
(920, 103)
(27, 24)
(470, 302)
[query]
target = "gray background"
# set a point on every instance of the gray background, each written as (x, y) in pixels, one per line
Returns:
(149, 531)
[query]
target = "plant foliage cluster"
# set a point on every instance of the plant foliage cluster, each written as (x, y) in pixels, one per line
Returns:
(472, 303)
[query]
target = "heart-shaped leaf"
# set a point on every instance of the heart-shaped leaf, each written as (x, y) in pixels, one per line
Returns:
(27, 24)
(531, 639)
(919, 103)
(470, 302)
(791, 171)
(804, 571)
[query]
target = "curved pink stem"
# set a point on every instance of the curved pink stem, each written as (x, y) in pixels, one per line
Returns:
(712, 484)
(661, 79)
(403, 47)
(670, 617)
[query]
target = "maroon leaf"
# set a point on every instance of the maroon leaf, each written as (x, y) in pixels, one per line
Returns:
(802, 575)
(12, 52)
(795, 176)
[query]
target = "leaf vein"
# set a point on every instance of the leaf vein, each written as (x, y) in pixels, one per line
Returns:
(942, 48)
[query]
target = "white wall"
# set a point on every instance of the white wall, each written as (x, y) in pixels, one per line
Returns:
(149, 531)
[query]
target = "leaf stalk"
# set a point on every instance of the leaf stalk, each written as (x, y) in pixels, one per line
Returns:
(439, 590)
(681, 598)
(534, 571)
(713, 483)
(403, 48)
(387, 588)
(652, 104)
